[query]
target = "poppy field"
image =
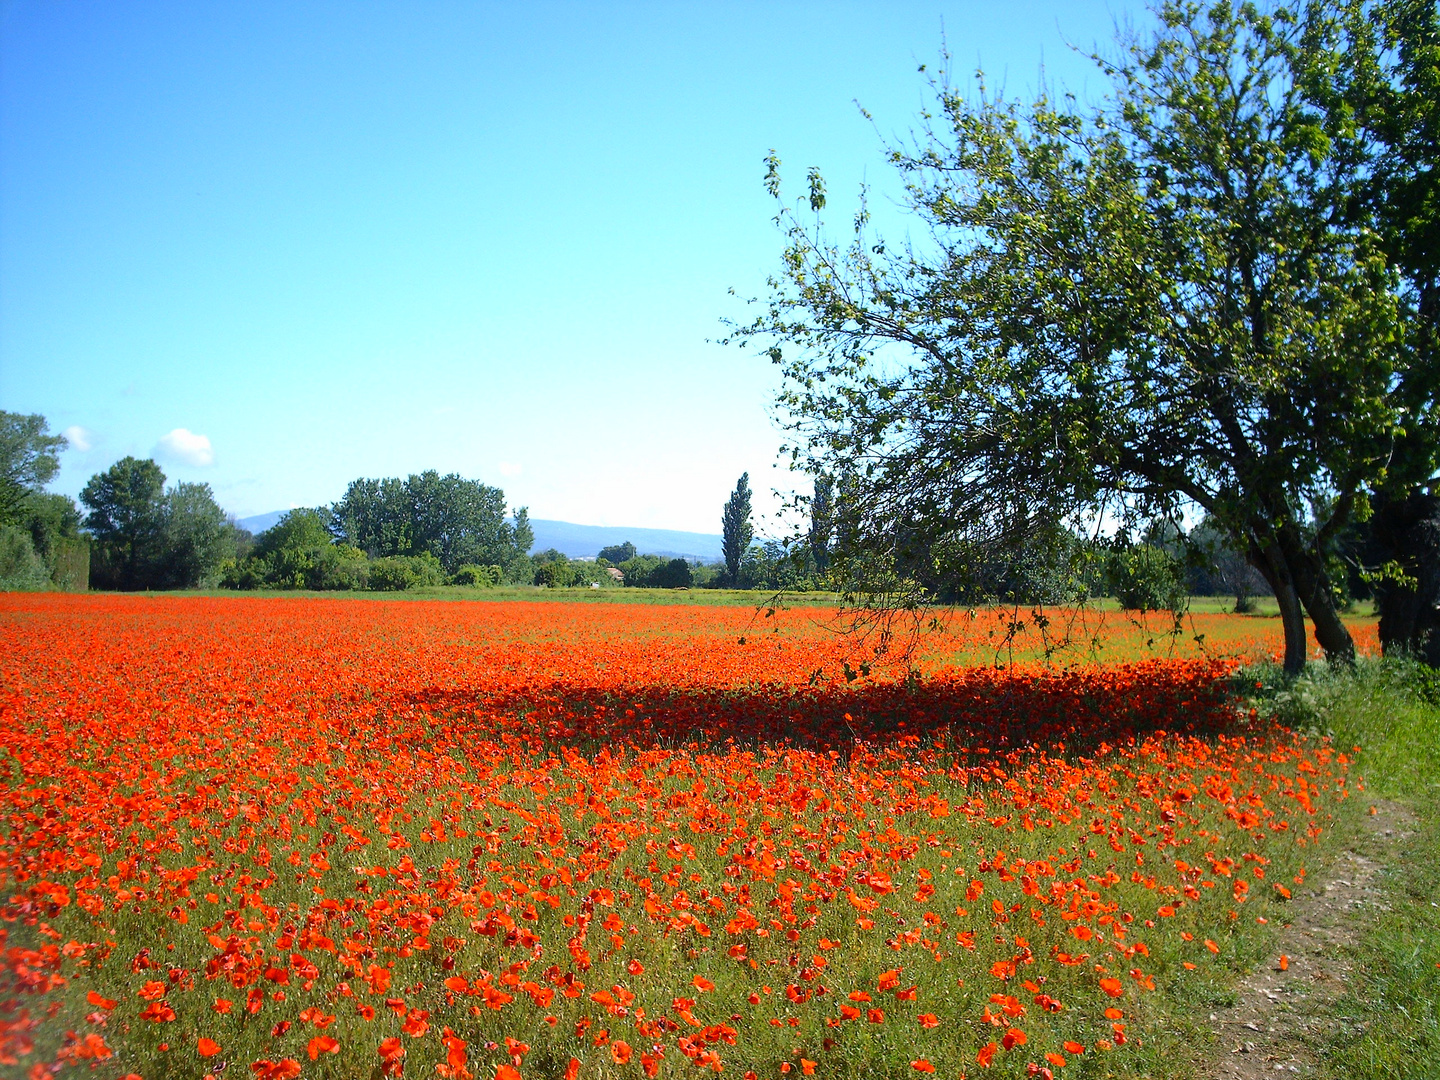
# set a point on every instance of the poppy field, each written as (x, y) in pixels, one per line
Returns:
(271, 838)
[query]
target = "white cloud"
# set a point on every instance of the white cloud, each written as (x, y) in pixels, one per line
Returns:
(509, 468)
(186, 447)
(80, 438)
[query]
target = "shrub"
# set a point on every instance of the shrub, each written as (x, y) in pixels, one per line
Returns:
(556, 575)
(339, 567)
(484, 577)
(1146, 578)
(72, 564)
(391, 575)
(250, 573)
(21, 570)
(400, 572)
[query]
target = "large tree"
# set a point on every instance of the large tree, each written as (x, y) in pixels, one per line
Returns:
(127, 520)
(1158, 306)
(150, 538)
(459, 521)
(29, 459)
(197, 538)
(1381, 92)
(735, 528)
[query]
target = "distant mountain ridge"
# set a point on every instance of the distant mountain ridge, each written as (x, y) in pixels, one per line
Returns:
(260, 522)
(582, 541)
(585, 541)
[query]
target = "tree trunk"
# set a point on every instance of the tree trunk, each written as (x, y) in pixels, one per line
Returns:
(1273, 567)
(1313, 586)
(1407, 532)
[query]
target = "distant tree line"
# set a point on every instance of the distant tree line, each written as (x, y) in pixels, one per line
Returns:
(135, 532)
(148, 536)
(392, 534)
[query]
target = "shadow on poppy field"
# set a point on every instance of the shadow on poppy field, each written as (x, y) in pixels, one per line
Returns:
(334, 839)
(981, 708)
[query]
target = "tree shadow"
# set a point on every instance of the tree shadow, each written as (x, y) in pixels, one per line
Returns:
(997, 709)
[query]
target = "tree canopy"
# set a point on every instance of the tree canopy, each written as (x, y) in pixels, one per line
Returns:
(1176, 302)
(29, 459)
(736, 528)
(458, 521)
(127, 521)
(150, 538)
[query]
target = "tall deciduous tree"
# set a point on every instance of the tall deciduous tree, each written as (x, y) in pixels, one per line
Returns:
(458, 521)
(127, 520)
(1115, 315)
(197, 537)
(29, 459)
(822, 525)
(150, 538)
(1379, 82)
(735, 527)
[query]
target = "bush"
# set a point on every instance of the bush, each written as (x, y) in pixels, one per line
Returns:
(484, 577)
(21, 569)
(400, 572)
(247, 574)
(391, 575)
(556, 575)
(297, 553)
(339, 566)
(1146, 578)
(71, 572)
(672, 575)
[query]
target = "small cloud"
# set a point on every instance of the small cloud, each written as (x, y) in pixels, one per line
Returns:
(186, 447)
(80, 438)
(509, 468)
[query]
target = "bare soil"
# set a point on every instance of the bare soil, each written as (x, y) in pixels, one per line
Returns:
(1280, 1014)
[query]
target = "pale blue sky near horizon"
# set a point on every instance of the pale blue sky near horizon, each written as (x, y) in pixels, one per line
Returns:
(281, 246)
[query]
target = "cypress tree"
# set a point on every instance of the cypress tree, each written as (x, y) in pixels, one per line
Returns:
(736, 528)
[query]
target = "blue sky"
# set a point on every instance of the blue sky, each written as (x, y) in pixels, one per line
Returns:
(279, 246)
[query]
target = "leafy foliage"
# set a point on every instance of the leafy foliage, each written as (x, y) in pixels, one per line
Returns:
(616, 554)
(149, 538)
(460, 522)
(127, 521)
(736, 528)
(297, 552)
(480, 576)
(1144, 577)
(397, 572)
(29, 459)
(21, 569)
(1168, 302)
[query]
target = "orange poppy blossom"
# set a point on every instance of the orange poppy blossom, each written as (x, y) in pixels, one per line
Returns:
(430, 834)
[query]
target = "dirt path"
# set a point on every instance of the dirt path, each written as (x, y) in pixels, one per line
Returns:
(1268, 1032)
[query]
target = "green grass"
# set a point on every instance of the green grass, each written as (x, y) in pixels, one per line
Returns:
(1394, 998)
(1387, 1025)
